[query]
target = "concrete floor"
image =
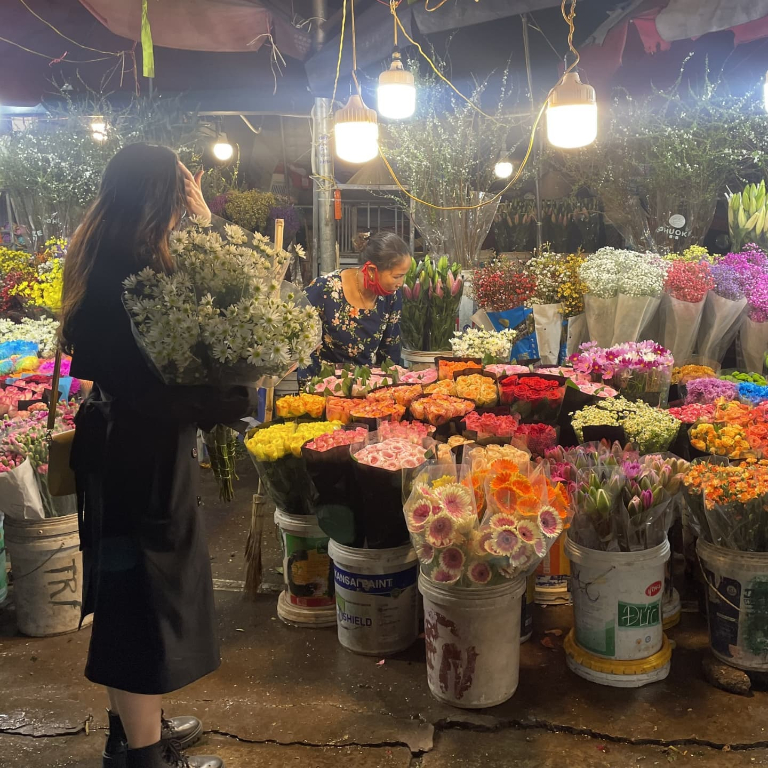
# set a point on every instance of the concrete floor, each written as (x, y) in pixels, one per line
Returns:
(294, 697)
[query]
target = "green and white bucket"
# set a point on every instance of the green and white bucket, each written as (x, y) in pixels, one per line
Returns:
(737, 605)
(617, 600)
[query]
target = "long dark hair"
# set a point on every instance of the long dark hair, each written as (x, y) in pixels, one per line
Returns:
(384, 249)
(140, 199)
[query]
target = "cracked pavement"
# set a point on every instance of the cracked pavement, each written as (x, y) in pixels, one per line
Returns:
(294, 697)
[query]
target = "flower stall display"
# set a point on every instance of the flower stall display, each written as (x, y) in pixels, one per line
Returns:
(685, 292)
(735, 275)
(431, 296)
(649, 429)
(623, 293)
(534, 398)
(276, 452)
(490, 346)
(224, 316)
(638, 370)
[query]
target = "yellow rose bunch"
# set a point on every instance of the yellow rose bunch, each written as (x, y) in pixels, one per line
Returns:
(279, 440)
(293, 406)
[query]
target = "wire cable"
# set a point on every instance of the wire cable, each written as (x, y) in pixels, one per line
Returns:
(341, 48)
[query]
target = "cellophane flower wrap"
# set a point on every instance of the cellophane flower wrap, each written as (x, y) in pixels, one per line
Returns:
(534, 398)
(383, 469)
(729, 504)
(224, 316)
(276, 452)
(24, 451)
(638, 370)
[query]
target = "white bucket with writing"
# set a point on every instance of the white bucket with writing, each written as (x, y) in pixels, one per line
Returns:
(617, 600)
(376, 598)
(737, 605)
(47, 574)
(472, 637)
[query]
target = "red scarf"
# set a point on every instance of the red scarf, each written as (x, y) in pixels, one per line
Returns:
(372, 283)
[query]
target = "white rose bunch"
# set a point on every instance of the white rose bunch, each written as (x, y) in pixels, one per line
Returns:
(224, 315)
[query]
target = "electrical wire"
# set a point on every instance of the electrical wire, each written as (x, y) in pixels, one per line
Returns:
(54, 59)
(341, 48)
(569, 17)
(431, 10)
(354, 49)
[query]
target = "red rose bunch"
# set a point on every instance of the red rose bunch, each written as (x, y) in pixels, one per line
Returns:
(539, 438)
(491, 424)
(688, 281)
(532, 389)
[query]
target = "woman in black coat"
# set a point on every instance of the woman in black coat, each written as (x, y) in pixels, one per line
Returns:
(148, 577)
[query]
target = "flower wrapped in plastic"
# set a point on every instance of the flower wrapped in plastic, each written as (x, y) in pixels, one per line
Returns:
(479, 388)
(439, 409)
(536, 398)
(295, 406)
(276, 452)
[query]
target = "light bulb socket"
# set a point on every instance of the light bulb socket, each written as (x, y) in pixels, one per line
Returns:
(355, 111)
(571, 92)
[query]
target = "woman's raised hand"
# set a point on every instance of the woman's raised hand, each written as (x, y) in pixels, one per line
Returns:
(196, 205)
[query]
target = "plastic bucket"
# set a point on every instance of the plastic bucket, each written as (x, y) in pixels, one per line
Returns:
(553, 576)
(472, 639)
(3, 573)
(377, 606)
(526, 609)
(617, 599)
(307, 572)
(47, 574)
(737, 605)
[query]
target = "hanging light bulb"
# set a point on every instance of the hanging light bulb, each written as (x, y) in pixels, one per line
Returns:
(98, 129)
(396, 94)
(765, 92)
(357, 131)
(572, 114)
(222, 149)
(503, 168)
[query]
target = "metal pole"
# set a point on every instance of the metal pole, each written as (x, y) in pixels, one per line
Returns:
(537, 151)
(323, 186)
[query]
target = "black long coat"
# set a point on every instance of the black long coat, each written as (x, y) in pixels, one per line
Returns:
(147, 569)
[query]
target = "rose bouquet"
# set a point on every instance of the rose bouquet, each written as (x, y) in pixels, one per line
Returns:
(276, 452)
(224, 316)
(446, 368)
(479, 388)
(534, 398)
(439, 409)
(295, 406)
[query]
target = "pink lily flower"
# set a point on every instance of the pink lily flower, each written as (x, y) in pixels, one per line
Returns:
(407, 292)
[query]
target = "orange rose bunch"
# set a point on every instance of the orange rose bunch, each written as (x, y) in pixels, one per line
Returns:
(440, 409)
(402, 395)
(338, 408)
(444, 387)
(728, 440)
(377, 409)
(446, 368)
(293, 406)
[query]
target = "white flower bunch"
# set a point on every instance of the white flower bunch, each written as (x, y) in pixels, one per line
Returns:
(224, 315)
(41, 332)
(611, 271)
(476, 343)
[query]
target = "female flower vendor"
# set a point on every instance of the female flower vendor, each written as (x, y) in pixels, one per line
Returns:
(360, 308)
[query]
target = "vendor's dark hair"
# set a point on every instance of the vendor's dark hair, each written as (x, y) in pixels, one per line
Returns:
(384, 249)
(140, 198)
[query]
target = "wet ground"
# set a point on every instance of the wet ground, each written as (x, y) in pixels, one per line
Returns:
(294, 697)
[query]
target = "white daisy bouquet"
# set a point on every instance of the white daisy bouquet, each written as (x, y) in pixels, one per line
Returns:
(495, 523)
(492, 346)
(224, 316)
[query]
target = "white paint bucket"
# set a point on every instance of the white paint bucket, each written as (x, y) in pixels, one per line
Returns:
(307, 572)
(377, 606)
(473, 642)
(737, 605)
(47, 574)
(617, 599)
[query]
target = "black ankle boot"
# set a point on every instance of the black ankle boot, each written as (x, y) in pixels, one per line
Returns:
(167, 755)
(186, 731)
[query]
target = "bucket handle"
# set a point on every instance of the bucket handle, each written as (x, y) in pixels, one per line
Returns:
(713, 587)
(38, 567)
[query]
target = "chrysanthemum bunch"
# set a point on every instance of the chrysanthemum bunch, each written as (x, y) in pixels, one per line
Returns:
(478, 343)
(225, 314)
(556, 276)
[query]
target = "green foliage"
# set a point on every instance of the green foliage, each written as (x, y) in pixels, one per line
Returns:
(250, 209)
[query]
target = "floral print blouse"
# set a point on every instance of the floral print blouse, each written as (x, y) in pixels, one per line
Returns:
(352, 335)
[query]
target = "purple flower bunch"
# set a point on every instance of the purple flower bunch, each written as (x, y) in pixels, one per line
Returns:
(758, 300)
(710, 390)
(290, 215)
(738, 274)
(218, 204)
(631, 357)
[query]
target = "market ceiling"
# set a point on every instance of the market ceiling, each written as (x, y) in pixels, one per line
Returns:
(220, 54)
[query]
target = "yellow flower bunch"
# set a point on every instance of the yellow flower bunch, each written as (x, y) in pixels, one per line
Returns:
(45, 291)
(571, 288)
(694, 253)
(722, 440)
(279, 440)
(14, 261)
(292, 406)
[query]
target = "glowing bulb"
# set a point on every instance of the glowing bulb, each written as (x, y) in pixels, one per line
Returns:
(99, 136)
(572, 114)
(396, 94)
(356, 132)
(99, 126)
(223, 150)
(503, 169)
